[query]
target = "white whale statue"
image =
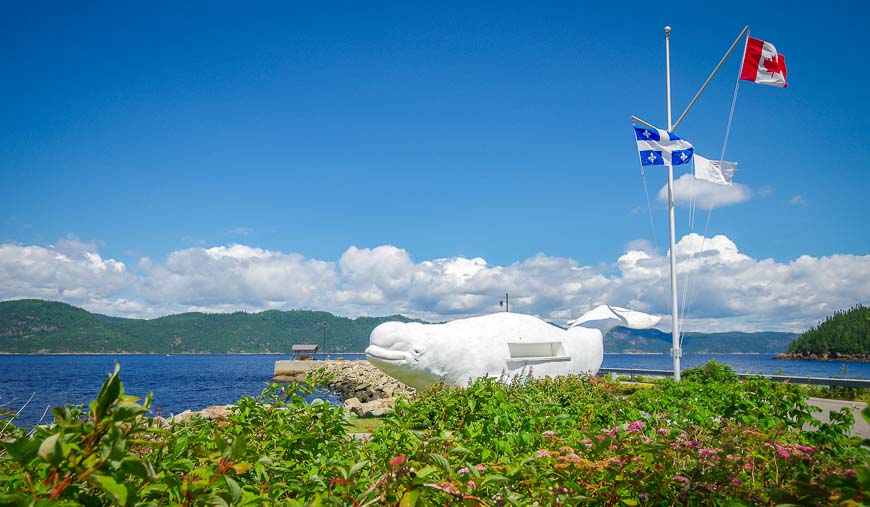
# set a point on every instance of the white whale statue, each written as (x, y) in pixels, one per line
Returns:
(491, 345)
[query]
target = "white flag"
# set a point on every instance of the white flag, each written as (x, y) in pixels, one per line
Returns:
(713, 171)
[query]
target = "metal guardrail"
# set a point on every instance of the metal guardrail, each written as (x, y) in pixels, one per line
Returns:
(794, 379)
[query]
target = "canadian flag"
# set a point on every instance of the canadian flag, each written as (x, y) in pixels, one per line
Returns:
(763, 65)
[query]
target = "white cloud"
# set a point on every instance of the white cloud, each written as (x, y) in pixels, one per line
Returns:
(728, 290)
(798, 199)
(706, 194)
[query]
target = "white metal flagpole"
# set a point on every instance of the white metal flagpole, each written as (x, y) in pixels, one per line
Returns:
(676, 352)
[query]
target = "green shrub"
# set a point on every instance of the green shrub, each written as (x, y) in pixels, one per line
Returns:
(711, 372)
(570, 440)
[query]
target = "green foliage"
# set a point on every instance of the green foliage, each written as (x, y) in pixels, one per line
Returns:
(571, 440)
(846, 333)
(28, 326)
(711, 372)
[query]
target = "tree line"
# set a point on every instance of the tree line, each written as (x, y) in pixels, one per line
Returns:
(845, 333)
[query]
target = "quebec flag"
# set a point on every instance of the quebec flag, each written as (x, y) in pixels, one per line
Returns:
(660, 147)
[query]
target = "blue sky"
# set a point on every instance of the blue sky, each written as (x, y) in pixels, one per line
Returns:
(447, 132)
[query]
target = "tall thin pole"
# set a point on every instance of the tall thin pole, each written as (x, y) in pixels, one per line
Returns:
(743, 32)
(676, 352)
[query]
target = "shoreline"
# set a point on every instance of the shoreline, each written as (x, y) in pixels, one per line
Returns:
(826, 358)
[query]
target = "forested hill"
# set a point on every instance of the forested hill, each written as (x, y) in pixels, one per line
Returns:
(28, 326)
(35, 326)
(842, 335)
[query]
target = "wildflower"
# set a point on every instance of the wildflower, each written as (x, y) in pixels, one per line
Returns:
(480, 468)
(636, 426)
(851, 473)
(748, 466)
(543, 453)
(806, 448)
(663, 432)
(691, 443)
(782, 452)
(587, 442)
(398, 460)
(681, 478)
(645, 438)
(471, 484)
(463, 470)
(611, 433)
(549, 433)
(735, 482)
(449, 488)
(566, 450)
(732, 458)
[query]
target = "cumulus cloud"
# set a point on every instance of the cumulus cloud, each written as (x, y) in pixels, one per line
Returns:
(706, 194)
(727, 289)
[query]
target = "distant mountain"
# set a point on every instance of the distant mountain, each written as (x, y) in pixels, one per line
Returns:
(652, 340)
(36, 326)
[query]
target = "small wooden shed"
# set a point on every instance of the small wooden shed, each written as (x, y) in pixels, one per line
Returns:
(304, 351)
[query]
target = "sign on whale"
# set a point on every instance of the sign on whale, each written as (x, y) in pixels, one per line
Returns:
(492, 345)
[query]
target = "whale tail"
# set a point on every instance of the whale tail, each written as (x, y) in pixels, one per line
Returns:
(606, 317)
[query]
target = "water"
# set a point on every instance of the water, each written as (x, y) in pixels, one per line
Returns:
(182, 382)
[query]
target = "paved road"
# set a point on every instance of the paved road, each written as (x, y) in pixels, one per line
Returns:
(861, 428)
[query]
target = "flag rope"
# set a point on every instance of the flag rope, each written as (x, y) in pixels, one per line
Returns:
(687, 303)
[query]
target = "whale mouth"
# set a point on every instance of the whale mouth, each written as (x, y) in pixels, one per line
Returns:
(382, 355)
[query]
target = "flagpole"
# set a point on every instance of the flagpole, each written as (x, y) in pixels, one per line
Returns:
(676, 352)
(745, 31)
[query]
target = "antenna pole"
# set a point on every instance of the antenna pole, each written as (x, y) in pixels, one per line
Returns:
(676, 352)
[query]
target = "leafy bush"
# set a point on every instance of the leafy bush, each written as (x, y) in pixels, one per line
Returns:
(711, 372)
(570, 440)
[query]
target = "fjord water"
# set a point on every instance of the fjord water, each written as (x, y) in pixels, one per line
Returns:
(182, 382)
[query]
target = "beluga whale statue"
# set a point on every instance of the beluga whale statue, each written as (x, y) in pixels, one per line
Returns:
(491, 345)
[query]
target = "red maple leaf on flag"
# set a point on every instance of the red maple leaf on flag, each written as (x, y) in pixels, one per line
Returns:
(775, 64)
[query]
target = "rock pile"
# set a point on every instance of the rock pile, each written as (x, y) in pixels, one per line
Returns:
(363, 381)
(366, 390)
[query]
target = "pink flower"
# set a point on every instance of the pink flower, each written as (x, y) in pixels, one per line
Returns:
(680, 478)
(690, 443)
(543, 453)
(735, 482)
(805, 448)
(587, 442)
(463, 470)
(398, 460)
(782, 452)
(612, 433)
(480, 468)
(634, 427)
(645, 438)
(748, 466)
(471, 484)
(708, 453)
(663, 431)
(549, 433)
